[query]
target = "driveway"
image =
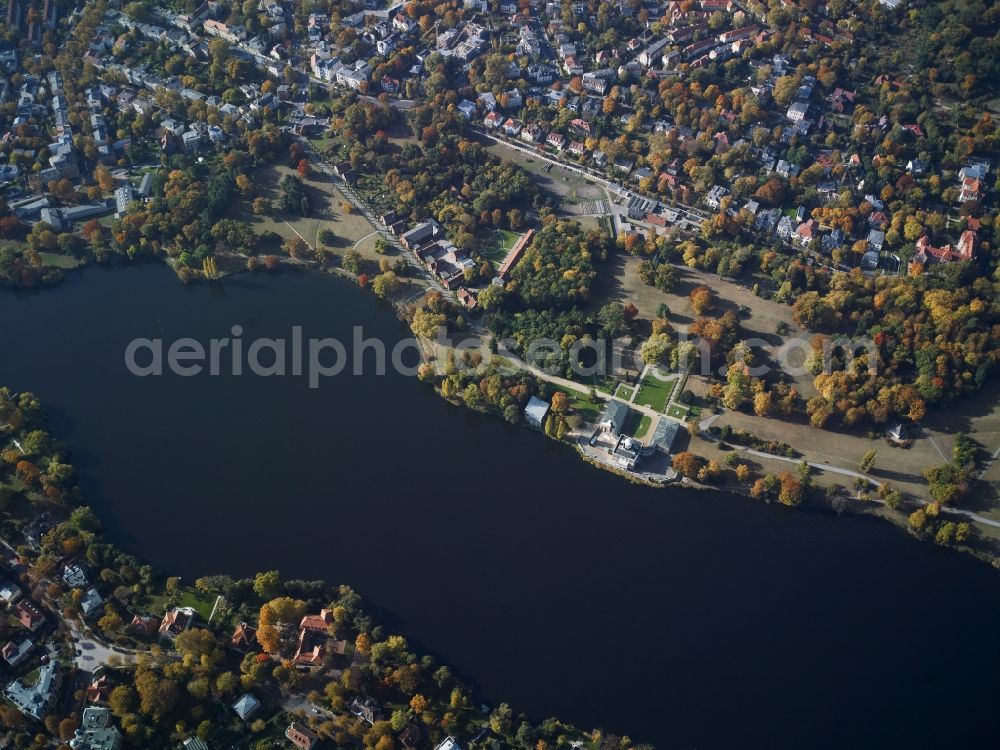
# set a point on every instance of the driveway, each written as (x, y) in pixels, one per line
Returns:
(89, 653)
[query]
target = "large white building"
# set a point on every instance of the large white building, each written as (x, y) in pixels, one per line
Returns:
(96, 731)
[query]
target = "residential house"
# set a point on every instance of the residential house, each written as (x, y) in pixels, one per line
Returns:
(797, 111)
(532, 133)
(649, 55)
(596, 82)
(91, 603)
(176, 621)
(467, 108)
(487, 101)
(28, 615)
(785, 228)
(145, 625)
(512, 127)
(876, 240)
(387, 46)
(446, 38)
(99, 690)
(232, 34)
(9, 592)
(15, 653)
(467, 299)
(965, 249)
(301, 736)
(556, 140)
(310, 650)
(191, 140)
(806, 232)
(320, 622)
(971, 190)
(244, 638)
(403, 23)
(513, 99)
(580, 127)
(353, 78)
(623, 165)
(446, 261)
(833, 240)
(784, 169)
(767, 220)
(870, 260)
(975, 171)
(878, 219)
(714, 198)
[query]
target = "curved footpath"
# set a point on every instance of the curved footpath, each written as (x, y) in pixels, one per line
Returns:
(703, 433)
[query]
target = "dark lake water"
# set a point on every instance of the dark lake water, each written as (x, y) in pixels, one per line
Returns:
(686, 619)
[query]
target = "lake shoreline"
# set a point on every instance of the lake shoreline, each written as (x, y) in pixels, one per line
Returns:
(852, 506)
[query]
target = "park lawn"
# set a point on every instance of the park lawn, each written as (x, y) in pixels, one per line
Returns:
(32, 677)
(655, 393)
(605, 383)
(643, 427)
(320, 142)
(55, 260)
(325, 211)
(201, 605)
(678, 412)
(624, 392)
(186, 597)
(586, 407)
(507, 238)
(503, 240)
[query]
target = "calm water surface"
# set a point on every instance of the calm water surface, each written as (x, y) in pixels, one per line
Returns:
(686, 619)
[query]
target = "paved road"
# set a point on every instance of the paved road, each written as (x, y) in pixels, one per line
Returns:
(302, 703)
(851, 473)
(401, 104)
(94, 653)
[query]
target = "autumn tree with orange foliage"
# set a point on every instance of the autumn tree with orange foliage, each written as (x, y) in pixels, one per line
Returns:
(687, 464)
(277, 618)
(701, 299)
